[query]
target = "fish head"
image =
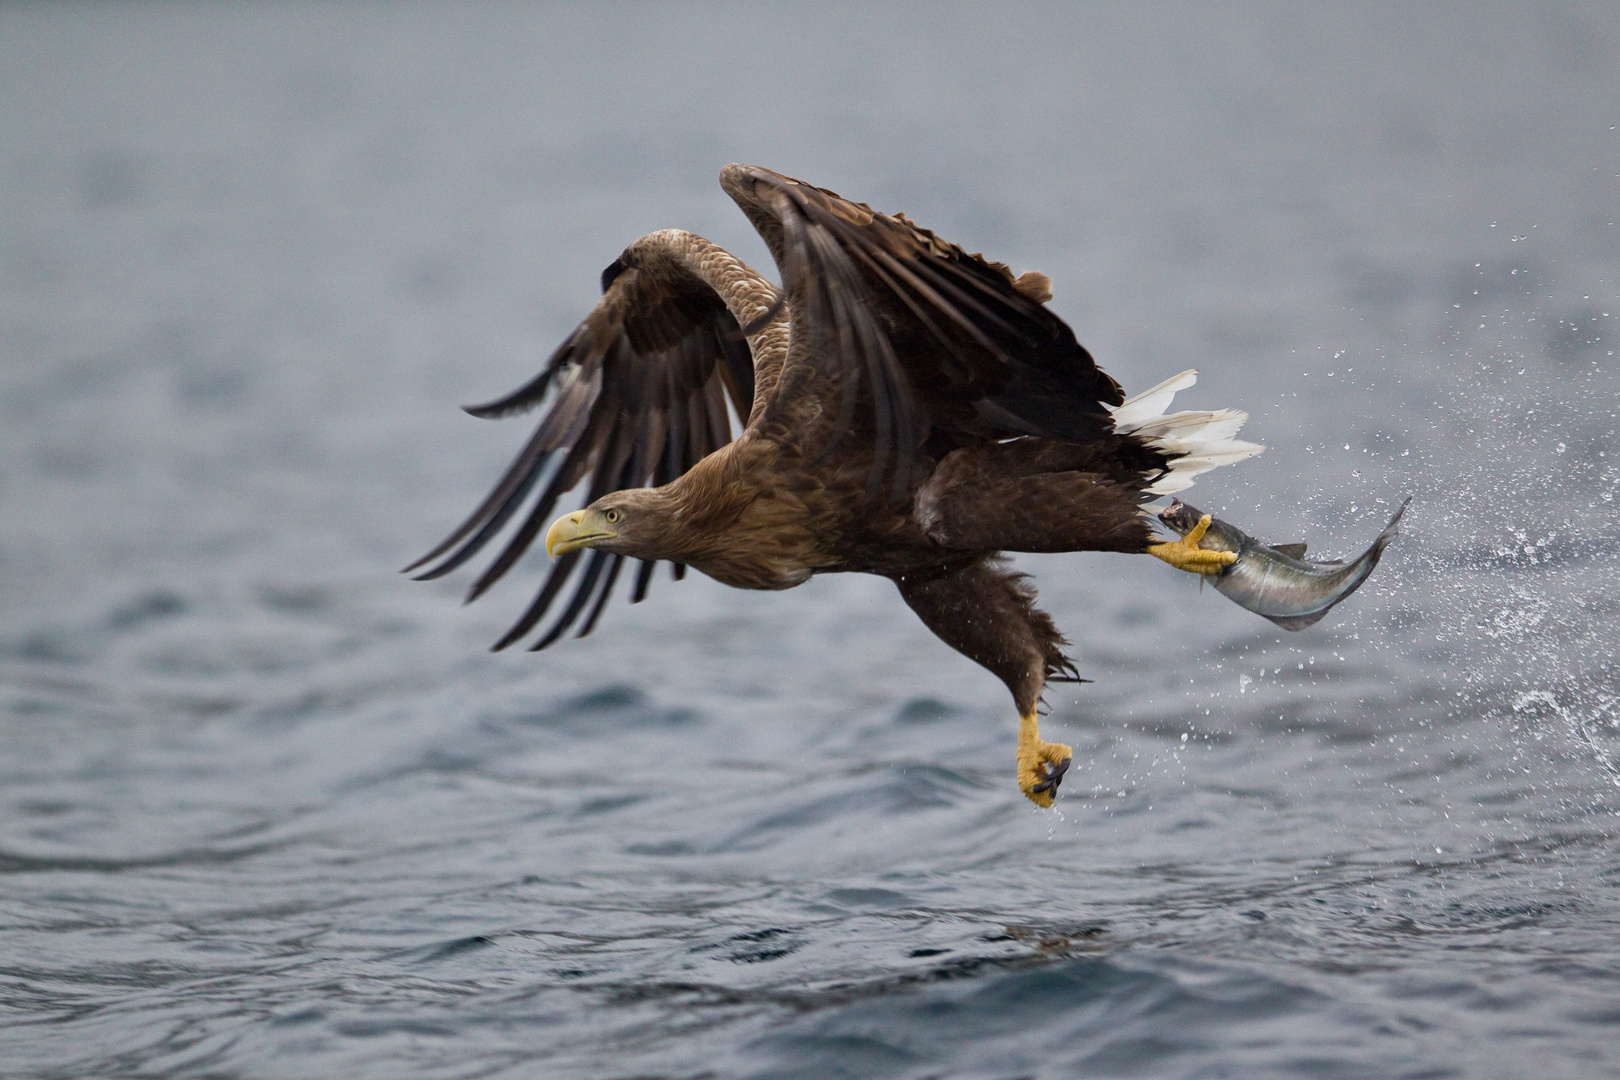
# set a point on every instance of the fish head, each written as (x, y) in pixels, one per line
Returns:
(1180, 517)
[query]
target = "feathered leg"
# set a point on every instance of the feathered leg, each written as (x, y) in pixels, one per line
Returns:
(987, 613)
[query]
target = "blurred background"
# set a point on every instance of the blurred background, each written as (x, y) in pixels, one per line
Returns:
(271, 809)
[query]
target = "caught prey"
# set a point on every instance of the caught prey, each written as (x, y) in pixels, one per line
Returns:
(1276, 582)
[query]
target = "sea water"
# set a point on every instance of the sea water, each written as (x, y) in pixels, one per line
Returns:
(272, 810)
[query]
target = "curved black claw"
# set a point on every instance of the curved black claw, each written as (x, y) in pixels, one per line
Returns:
(1054, 775)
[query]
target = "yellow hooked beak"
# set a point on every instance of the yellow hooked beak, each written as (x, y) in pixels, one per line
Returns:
(573, 531)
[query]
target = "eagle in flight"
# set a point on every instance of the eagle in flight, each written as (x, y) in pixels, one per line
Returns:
(909, 410)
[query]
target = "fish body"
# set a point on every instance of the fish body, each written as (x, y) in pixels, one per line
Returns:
(1278, 582)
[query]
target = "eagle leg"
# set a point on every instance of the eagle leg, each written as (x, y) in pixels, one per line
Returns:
(1041, 765)
(1185, 554)
(988, 613)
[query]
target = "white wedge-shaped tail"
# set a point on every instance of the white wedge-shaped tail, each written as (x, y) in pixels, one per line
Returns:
(1202, 440)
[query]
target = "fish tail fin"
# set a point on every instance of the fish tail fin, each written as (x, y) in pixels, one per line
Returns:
(1196, 441)
(1391, 530)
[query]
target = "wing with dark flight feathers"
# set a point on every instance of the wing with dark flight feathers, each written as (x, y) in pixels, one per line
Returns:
(637, 396)
(924, 337)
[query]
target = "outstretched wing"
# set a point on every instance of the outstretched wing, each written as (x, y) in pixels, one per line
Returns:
(637, 396)
(912, 336)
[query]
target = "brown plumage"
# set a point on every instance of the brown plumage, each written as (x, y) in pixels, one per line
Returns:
(912, 411)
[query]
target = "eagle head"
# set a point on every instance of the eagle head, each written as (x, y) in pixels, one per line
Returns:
(631, 522)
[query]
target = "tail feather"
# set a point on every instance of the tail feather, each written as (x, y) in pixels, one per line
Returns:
(1197, 440)
(1139, 408)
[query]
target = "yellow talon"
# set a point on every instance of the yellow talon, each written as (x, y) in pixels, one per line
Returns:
(1041, 765)
(1185, 554)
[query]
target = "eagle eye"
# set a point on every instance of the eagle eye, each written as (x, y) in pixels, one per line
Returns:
(613, 516)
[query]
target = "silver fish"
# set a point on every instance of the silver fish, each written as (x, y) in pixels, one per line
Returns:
(1277, 582)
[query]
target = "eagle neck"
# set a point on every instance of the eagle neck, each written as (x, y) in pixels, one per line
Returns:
(701, 506)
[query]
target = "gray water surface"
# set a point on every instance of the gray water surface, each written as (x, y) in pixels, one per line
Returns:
(272, 810)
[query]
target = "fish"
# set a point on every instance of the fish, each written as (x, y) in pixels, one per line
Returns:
(1277, 582)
